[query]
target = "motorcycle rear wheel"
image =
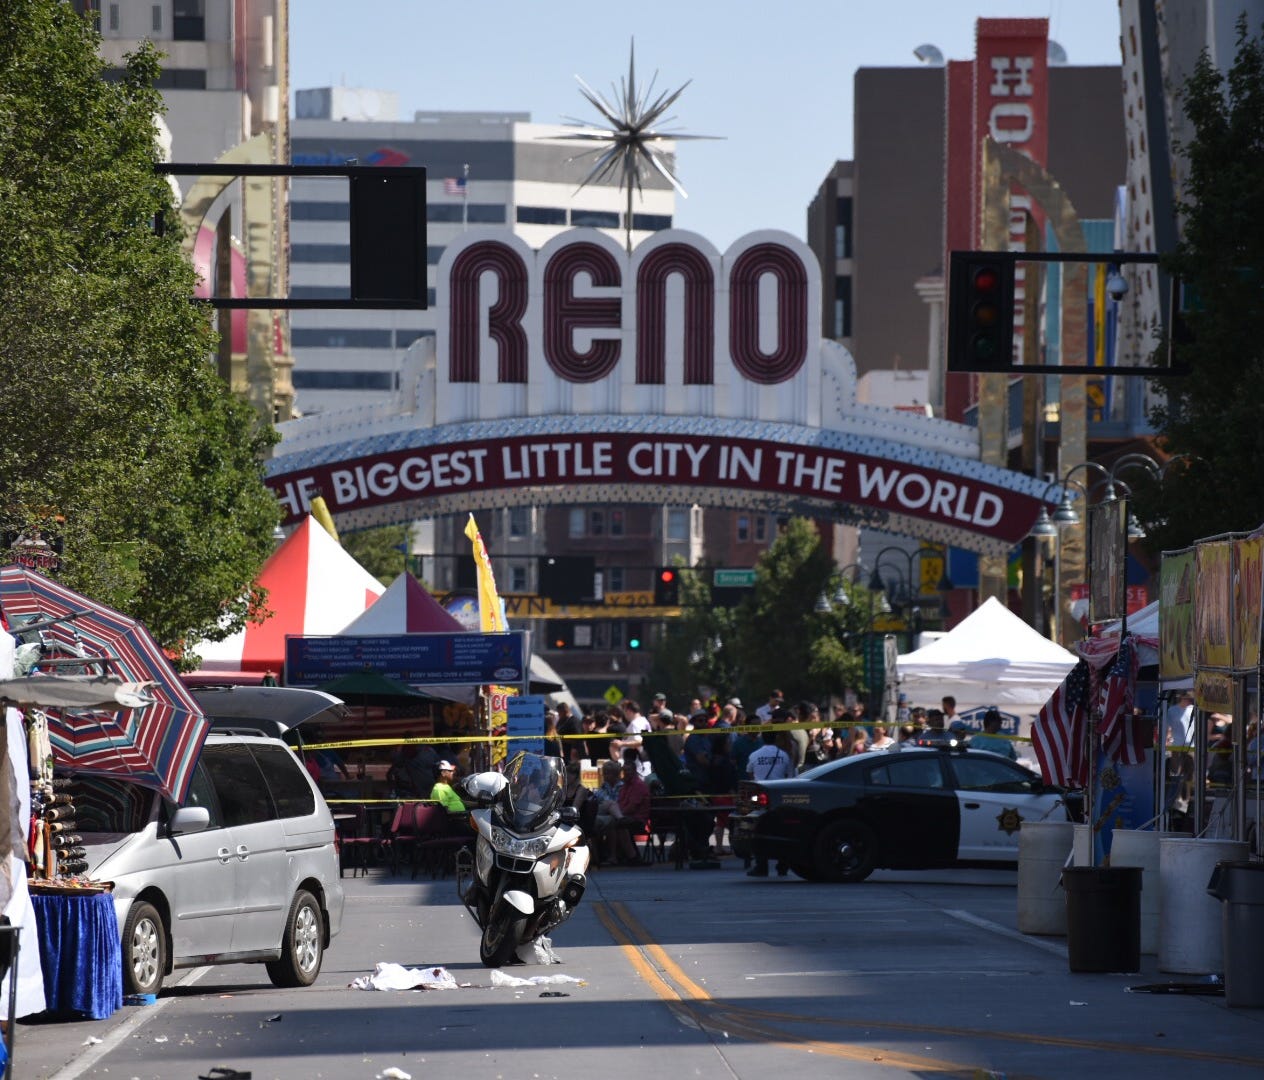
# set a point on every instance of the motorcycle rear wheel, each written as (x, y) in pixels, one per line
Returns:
(501, 936)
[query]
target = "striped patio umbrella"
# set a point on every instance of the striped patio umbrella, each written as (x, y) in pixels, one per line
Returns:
(156, 744)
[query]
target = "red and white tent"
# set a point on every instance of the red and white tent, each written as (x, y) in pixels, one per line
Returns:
(405, 608)
(314, 587)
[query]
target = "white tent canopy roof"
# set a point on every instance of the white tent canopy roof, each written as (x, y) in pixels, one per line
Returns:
(991, 657)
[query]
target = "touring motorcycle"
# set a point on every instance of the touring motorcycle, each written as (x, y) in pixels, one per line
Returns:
(527, 871)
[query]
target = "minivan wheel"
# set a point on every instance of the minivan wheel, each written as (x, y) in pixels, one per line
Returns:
(144, 950)
(303, 947)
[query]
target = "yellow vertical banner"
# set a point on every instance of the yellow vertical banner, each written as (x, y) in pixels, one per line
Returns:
(491, 615)
(1213, 605)
(491, 620)
(1248, 597)
(1177, 580)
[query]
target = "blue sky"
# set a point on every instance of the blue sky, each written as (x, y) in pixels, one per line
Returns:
(774, 79)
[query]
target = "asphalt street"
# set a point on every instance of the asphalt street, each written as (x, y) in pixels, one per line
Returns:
(705, 974)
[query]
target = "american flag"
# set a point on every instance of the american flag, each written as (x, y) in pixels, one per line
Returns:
(454, 185)
(1122, 738)
(1058, 732)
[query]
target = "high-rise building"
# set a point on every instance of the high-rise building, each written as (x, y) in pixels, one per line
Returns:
(483, 169)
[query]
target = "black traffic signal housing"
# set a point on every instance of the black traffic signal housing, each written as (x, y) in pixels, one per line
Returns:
(980, 311)
(567, 579)
(635, 637)
(667, 587)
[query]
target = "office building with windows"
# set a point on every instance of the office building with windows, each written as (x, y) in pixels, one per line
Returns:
(496, 169)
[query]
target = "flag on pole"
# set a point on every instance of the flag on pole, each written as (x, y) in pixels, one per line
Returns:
(1058, 733)
(454, 185)
(491, 614)
(1123, 738)
(320, 511)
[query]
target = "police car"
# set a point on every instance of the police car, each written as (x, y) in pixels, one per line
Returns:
(916, 809)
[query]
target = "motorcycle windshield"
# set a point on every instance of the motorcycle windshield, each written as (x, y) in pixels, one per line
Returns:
(533, 792)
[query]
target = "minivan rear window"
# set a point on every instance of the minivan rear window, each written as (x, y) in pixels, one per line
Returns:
(105, 805)
(285, 775)
(243, 795)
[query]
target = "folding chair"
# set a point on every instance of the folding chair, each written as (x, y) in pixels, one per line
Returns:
(436, 843)
(357, 843)
(402, 837)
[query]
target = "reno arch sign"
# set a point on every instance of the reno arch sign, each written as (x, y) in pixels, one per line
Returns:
(677, 375)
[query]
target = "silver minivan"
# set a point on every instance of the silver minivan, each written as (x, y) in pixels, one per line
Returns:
(244, 871)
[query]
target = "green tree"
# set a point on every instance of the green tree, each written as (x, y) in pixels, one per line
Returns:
(1212, 414)
(118, 434)
(775, 638)
(383, 551)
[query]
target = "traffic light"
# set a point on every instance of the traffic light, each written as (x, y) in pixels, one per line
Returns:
(634, 635)
(667, 587)
(980, 311)
(567, 579)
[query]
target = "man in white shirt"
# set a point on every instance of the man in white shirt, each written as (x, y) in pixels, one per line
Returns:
(1178, 722)
(769, 762)
(637, 726)
(765, 711)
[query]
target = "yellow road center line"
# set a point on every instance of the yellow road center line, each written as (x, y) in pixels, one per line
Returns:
(635, 952)
(743, 1020)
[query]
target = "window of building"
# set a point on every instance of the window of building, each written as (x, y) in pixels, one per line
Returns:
(517, 578)
(616, 522)
(188, 20)
(320, 211)
(404, 338)
(616, 635)
(339, 338)
(485, 214)
(596, 523)
(743, 528)
(678, 524)
(842, 307)
(614, 579)
(582, 636)
(443, 212)
(157, 18)
(842, 230)
(320, 253)
(345, 380)
(651, 222)
(541, 215)
(519, 521)
(761, 528)
(434, 252)
(575, 523)
(114, 17)
(595, 219)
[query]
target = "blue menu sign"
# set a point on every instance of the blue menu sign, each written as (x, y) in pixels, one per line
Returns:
(468, 659)
(524, 724)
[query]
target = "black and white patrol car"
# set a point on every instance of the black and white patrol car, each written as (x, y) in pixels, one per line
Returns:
(916, 809)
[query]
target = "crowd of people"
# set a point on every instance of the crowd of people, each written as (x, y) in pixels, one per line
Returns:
(706, 750)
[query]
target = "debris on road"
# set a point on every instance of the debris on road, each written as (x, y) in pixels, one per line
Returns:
(394, 1073)
(499, 978)
(387, 976)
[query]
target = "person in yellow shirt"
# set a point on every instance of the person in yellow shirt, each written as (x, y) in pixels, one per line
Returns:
(443, 792)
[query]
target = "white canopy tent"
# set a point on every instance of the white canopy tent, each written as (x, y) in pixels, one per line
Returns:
(990, 658)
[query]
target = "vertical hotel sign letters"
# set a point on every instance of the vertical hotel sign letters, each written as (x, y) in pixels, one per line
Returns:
(1011, 95)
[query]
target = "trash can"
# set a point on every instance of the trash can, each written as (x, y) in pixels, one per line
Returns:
(1241, 886)
(1103, 906)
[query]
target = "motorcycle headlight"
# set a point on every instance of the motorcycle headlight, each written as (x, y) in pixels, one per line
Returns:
(530, 848)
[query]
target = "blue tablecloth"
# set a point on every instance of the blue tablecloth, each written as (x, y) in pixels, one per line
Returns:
(80, 954)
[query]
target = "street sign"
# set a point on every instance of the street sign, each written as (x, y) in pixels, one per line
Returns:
(732, 579)
(613, 695)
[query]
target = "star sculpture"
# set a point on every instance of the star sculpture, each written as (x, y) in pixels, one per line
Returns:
(627, 146)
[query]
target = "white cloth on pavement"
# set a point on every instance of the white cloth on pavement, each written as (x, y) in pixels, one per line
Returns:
(499, 978)
(387, 976)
